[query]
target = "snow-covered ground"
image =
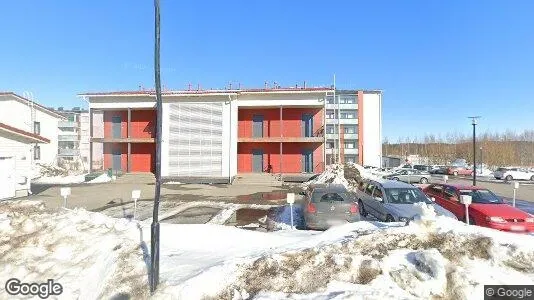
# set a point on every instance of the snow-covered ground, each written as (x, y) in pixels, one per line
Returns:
(94, 256)
(71, 179)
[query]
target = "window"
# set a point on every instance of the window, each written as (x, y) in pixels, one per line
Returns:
(36, 152)
(369, 189)
(347, 99)
(482, 196)
(450, 192)
(349, 129)
(406, 196)
(331, 197)
(350, 145)
(331, 129)
(329, 145)
(330, 100)
(378, 193)
(330, 114)
(37, 127)
(437, 189)
(71, 118)
(350, 158)
(348, 115)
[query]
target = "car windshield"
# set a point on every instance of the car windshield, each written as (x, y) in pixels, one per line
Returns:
(482, 196)
(406, 196)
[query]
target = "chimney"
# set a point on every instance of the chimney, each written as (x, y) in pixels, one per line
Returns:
(304, 84)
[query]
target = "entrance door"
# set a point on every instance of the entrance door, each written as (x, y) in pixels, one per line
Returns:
(116, 126)
(117, 159)
(257, 126)
(307, 125)
(307, 161)
(257, 160)
(7, 177)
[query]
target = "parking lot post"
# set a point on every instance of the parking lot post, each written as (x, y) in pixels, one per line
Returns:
(291, 200)
(515, 184)
(445, 178)
(65, 192)
(136, 194)
(466, 201)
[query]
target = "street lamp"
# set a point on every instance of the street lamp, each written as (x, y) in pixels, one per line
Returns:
(474, 123)
(481, 161)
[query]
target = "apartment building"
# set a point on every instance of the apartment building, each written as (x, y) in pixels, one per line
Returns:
(73, 138)
(219, 133)
(353, 129)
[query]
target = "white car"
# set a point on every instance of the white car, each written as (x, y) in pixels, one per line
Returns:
(509, 174)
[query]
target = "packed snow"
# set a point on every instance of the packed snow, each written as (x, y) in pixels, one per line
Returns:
(67, 179)
(430, 257)
(349, 175)
(101, 179)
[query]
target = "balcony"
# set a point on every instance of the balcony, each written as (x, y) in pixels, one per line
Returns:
(342, 106)
(350, 136)
(123, 140)
(68, 152)
(350, 151)
(342, 121)
(67, 124)
(68, 138)
(313, 139)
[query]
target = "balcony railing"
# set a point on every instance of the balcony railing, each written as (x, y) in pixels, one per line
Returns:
(67, 124)
(68, 152)
(68, 138)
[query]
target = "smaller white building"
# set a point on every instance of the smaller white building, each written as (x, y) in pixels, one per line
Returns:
(27, 115)
(16, 147)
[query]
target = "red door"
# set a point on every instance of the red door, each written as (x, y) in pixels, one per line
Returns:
(451, 202)
(142, 157)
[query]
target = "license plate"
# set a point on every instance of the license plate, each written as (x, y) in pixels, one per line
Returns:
(517, 228)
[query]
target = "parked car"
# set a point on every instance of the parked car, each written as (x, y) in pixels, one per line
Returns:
(486, 209)
(392, 201)
(329, 205)
(509, 174)
(410, 176)
(439, 169)
(457, 170)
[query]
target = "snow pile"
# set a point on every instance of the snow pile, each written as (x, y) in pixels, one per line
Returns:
(67, 179)
(350, 175)
(101, 179)
(432, 257)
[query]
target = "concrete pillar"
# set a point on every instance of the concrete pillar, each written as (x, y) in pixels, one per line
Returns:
(90, 140)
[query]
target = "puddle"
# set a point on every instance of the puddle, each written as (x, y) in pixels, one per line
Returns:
(246, 216)
(194, 215)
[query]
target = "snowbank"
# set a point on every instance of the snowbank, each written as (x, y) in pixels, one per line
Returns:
(431, 257)
(349, 175)
(101, 179)
(69, 179)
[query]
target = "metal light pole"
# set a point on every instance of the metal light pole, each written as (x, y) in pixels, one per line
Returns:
(154, 228)
(481, 162)
(474, 123)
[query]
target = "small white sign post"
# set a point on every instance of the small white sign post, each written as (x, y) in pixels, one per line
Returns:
(445, 178)
(65, 192)
(515, 184)
(466, 200)
(291, 200)
(136, 194)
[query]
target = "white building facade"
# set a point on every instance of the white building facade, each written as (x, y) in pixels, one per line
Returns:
(29, 116)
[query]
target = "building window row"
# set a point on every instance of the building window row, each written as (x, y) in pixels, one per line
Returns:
(344, 114)
(347, 129)
(341, 99)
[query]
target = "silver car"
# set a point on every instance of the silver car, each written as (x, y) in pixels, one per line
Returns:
(410, 176)
(329, 205)
(392, 201)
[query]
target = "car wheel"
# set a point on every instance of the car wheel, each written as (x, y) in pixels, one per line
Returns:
(390, 218)
(363, 213)
(509, 178)
(395, 178)
(423, 180)
(455, 173)
(532, 178)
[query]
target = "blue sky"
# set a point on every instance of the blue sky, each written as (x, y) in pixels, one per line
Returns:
(436, 61)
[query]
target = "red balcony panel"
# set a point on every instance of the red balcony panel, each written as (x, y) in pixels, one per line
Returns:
(291, 121)
(143, 124)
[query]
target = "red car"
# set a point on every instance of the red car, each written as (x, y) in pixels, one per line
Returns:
(486, 209)
(459, 171)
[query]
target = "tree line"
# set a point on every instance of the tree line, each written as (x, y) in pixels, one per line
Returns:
(493, 149)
